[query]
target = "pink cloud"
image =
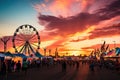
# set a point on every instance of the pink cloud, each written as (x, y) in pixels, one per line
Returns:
(86, 4)
(64, 8)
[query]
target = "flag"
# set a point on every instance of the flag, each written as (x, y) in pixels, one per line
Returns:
(95, 52)
(103, 47)
(117, 51)
(91, 54)
(98, 52)
(107, 47)
(110, 52)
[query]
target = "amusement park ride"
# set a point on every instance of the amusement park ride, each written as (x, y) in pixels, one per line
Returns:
(26, 39)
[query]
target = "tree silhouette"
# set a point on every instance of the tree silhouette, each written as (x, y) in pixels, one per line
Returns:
(5, 39)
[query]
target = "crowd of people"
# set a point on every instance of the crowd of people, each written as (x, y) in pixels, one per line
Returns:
(103, 64)
(12, 66)
(7, 66)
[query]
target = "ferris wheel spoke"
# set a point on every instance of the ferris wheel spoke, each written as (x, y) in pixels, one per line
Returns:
(33, 36)
(22, 49)
(20, 36)
(34, 48)
(20, 45)
(25, 36)
(28, 50)
(31, 47)
(19, 39)
(34, 45)
(33, 41)
(25, 51)
(29, 37)
(17, 43)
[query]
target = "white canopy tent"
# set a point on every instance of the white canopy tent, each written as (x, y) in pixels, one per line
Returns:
(2, 55)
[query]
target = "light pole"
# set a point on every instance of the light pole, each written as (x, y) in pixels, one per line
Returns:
(56, 53)
(49, 52)
(45, 51)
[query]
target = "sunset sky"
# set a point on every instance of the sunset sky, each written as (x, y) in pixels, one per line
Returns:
(72, 26)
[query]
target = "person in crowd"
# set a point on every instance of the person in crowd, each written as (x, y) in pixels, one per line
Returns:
(12, 66)
(0, 65)
(3, 68)
(18, 66)
(64, 66)
(77, 65)
(25, 66)
(38, 63)
(29, 64)
(92, 66)
(100, 65)
(9, 65)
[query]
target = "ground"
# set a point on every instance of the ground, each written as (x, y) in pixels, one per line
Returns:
(55, 73)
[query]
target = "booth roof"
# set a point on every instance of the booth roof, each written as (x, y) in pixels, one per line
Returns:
(9, 54)
(20, 55)
(37, 54)
(2, 55)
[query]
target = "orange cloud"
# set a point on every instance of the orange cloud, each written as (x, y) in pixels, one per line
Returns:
(64, 8)
(109, 31)
(61, 7)
(86, 4)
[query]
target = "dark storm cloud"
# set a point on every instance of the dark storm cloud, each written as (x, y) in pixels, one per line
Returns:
(110, 10)
(105, 32)
(80, 22)
(71, 24)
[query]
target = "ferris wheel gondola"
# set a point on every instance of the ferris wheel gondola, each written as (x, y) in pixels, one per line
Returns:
(26, 39)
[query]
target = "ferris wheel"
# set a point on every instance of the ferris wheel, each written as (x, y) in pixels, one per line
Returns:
(26, 39)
